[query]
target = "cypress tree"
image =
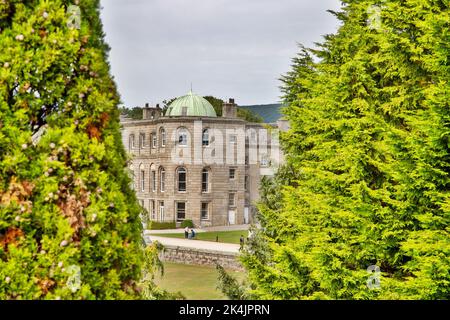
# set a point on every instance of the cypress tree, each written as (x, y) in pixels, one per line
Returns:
(366, 181)
(69, 222)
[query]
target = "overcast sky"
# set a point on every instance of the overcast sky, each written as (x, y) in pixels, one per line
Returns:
(225, 48)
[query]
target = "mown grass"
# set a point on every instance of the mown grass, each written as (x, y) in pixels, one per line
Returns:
(221, 236)
(194, 282)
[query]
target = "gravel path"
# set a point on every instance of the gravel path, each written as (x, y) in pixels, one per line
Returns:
(196, 244)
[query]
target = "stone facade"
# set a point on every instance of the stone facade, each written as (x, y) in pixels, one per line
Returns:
(200, 257)
(222, 163)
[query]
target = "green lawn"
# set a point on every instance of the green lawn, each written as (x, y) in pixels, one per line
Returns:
(194, 282)
(224, 236)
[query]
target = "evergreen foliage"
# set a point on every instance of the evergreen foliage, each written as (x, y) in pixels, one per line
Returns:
(367, 175)
(66, 208)
(135, 113)
(229, 286)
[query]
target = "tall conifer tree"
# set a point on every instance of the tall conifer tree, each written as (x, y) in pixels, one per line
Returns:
(69, 221)
(366, 181)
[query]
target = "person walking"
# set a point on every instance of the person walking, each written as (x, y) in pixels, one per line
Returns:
(186, 232)
(241, 241)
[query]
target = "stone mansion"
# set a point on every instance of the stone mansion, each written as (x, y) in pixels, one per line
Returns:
(191, 164)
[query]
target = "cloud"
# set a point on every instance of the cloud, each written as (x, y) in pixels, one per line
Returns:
(226, 48)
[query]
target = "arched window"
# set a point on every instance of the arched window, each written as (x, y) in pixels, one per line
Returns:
(205, 180)
(162, 179)
(131, 142)
(205, 137)
(181, 179)
(182, 137)
(153, 177)
(142, 177)
(162, 135)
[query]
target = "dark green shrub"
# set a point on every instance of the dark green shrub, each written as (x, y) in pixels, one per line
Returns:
(154, 225)
(187, 223)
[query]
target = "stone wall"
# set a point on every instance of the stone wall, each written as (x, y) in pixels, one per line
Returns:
(201, 257)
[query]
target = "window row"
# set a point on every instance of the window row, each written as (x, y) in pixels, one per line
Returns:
(153, 139)
(182, 138)
(181, 180)
(157, 210)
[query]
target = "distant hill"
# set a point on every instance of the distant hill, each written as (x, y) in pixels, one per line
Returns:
(269, 112)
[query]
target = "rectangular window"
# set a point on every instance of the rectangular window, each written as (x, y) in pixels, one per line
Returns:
(231, 200)
(182, 180)
(163, 138)
(232, 173)
(131, 144)
(142, 180)
(162, 180)
(154, 140)
(153, 209)
(205, 211)
(233, 138)
(246, 183)
(142, 140)
(205, 178)
(154, 181)
(161, 211)
(184, 111)
(205, 137)
(182, 138)
(181, 211)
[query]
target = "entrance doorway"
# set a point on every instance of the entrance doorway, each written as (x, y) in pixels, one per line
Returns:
(246, 220)
(231, 217)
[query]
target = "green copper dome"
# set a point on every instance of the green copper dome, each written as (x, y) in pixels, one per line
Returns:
(191, 105)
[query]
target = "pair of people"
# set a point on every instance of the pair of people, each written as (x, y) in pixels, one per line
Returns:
(189, 233)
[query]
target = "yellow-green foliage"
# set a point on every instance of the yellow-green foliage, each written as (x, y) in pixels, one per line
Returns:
(65, 202)
(367, 174)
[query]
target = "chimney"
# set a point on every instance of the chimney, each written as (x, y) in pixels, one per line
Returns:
(146, 112)
(229, 109)
(151, 113)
